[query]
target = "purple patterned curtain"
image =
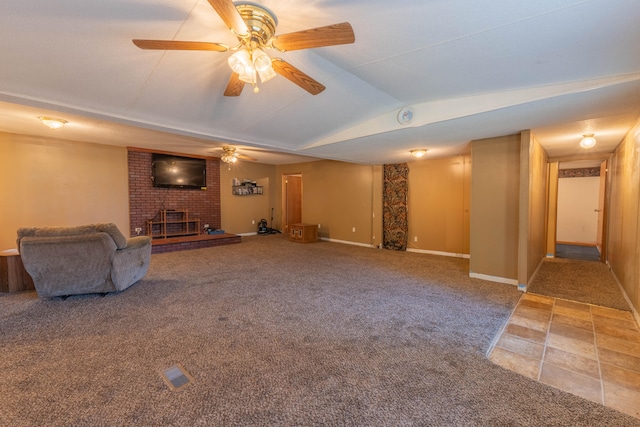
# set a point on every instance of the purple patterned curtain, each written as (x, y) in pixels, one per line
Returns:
(394, 220)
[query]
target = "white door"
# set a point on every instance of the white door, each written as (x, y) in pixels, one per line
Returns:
(578, 210)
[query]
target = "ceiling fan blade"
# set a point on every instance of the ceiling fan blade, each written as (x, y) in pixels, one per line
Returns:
(230, 15)
(179, 45)
(290, 72)
(235, 86)
(243, 157)
(316, 37)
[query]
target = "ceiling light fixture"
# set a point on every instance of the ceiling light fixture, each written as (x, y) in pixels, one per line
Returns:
(418, 153)
(228, 158)
(248, 63)
(229, 155)
(52, 122)
(588, 141)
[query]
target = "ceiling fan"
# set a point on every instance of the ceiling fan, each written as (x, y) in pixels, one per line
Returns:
(255, 27)
(230, 156)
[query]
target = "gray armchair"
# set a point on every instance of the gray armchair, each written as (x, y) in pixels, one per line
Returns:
(85, 259)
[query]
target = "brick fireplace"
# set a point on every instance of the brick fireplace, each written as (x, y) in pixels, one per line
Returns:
(146, 201)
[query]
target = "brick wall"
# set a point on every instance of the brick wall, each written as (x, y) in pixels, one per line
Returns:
(146, 201)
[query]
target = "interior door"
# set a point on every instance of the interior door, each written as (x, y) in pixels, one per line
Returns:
(292, 185)
(578, 211)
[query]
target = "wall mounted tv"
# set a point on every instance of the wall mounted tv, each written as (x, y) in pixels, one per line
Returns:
(178, 172)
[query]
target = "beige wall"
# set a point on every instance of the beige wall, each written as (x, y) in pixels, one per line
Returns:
(241, 214)
(439, 200)
(623, 248)
(552, 209)
(339, 196)
(49, 182)
(494, 224)
(532, 209)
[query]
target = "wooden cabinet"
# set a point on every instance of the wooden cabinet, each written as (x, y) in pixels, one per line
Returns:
(303, 233)
(173, 223)
(13, 276)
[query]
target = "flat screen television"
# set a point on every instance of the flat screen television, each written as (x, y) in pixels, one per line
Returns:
(178, 172)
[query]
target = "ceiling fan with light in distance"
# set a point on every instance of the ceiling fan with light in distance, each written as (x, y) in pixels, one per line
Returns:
(255, 27)
(230, 156)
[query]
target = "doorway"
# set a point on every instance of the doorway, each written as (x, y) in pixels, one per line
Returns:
(291, 200)
(580, 210)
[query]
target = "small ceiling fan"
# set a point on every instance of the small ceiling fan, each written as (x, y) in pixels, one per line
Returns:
(255, 28)
(230, 156)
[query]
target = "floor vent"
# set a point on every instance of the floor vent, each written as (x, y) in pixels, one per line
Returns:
(176, 377)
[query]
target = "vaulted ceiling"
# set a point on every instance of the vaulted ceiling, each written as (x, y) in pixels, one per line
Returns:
(468, 69)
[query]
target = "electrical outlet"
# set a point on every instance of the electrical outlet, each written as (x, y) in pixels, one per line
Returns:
(415, 238)
(253, 221)
(353, 230)
(318, 225)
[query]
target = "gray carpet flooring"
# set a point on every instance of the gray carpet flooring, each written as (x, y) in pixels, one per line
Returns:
(276, 333)
(578, 280)
(585, 253)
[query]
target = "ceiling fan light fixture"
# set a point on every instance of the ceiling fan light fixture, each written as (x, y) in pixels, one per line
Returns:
(249, 76)
(52, 122)
(588, 141)
(266, 75)
(418, 153)
(261, 60)
(248, 63)
(263, 65)
(229, 155)
(240, 62)
(228, 158)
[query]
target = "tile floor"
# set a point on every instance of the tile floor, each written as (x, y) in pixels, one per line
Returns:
(587, 350)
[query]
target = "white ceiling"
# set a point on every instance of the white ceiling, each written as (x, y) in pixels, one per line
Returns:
(469, 69)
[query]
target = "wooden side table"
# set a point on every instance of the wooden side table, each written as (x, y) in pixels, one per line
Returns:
(13, 276)
(303, 233)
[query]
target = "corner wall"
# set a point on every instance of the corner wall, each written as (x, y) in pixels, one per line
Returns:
(623, 248)
(241, 214)
(534, 195)
(509, 193)
(495, 196)
(339, 196)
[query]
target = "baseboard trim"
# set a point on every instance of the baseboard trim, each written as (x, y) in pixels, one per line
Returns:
(594, 244)
(496, 279)
(626, 297)
(441, 253)
(347, 242)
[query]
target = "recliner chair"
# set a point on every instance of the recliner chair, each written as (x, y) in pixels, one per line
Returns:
(84, 259)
